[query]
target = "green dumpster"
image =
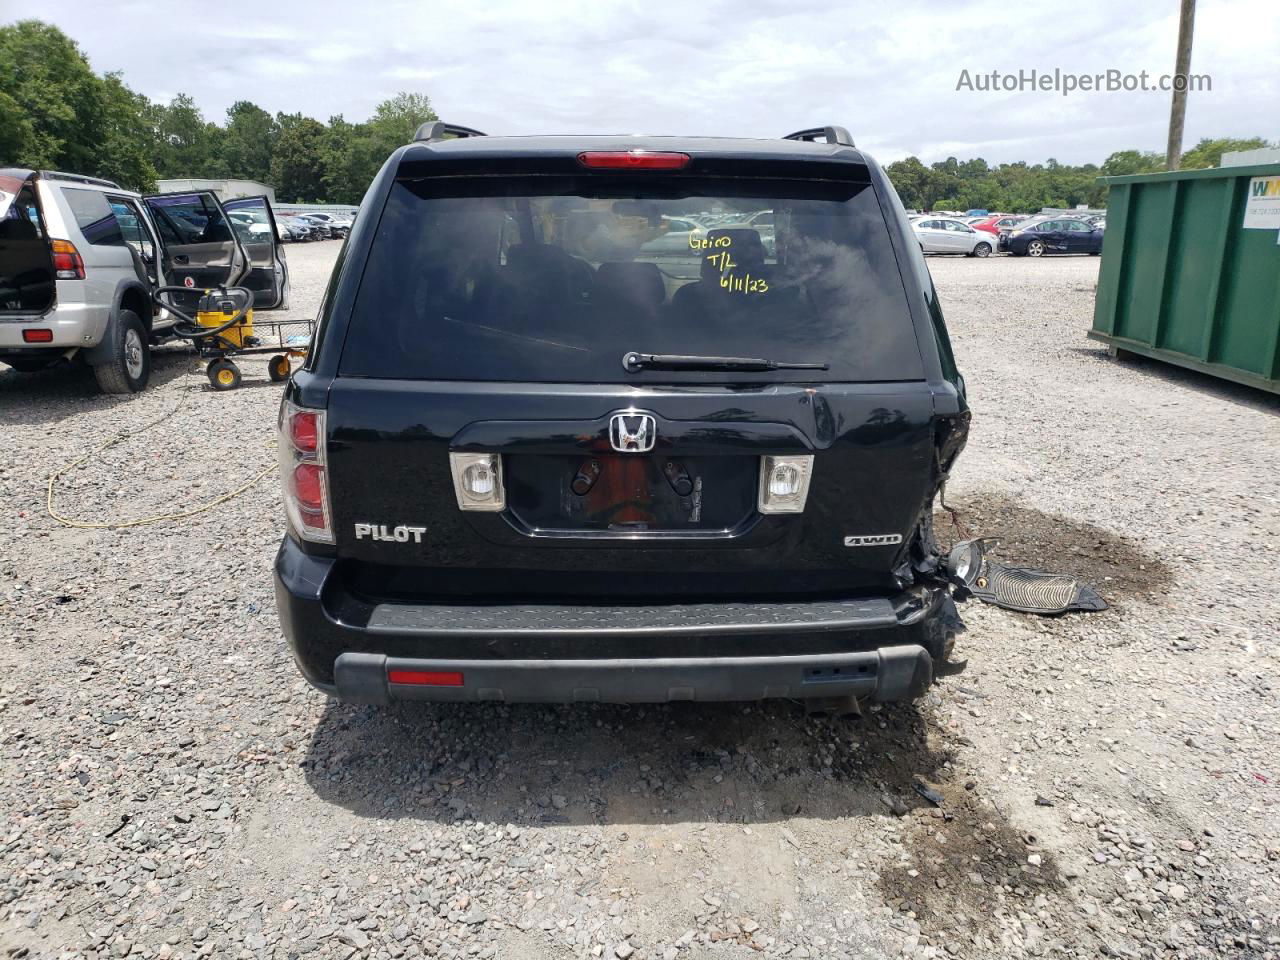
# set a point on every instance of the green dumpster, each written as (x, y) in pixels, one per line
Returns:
(1190, 271)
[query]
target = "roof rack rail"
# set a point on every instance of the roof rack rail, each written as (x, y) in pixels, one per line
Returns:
(837, 135)
(434, 130)
(77, 178)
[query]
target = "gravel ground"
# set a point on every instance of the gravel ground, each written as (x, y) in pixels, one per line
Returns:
(1101, 785)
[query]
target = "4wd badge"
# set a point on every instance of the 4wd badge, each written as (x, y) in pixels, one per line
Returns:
(873, 540)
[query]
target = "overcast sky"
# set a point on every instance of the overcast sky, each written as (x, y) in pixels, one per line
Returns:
(887, 70)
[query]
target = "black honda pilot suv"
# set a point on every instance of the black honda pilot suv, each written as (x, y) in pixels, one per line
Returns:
(624, 419)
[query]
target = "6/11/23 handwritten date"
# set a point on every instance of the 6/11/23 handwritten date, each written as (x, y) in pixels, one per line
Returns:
(723, 262)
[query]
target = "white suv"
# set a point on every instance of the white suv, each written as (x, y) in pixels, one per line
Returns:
(80, 256)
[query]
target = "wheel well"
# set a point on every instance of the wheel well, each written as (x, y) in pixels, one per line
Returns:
(136, 300)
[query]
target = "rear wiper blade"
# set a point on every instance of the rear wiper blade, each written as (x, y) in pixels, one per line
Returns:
(635, 362)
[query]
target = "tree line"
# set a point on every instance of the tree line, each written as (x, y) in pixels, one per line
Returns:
(954, 184)
(57, 113)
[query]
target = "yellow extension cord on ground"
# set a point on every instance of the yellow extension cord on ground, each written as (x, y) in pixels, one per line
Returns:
(159, 518)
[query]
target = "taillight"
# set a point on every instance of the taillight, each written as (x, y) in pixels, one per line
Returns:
(633, 160)
(67, 262)
(37, 335)
(303, 429)
(304, 472)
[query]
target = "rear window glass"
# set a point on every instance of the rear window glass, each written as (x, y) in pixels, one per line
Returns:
(557, 278)
(94, 217)
(189, 218)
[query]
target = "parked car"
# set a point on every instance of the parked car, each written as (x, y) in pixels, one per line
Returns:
(336, 226)
(675, 236)
(248, 227)
(994, 223)
(1055, 235)
(947, 235)
(322, 229)
(80, 256)
(298, 230)
(515, 469)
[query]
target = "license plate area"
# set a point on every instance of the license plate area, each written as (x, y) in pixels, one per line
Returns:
(627, 495)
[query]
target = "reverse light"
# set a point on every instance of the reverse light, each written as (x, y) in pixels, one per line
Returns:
(784, 483)
(67, 262)
(633, 160)
(477, 481)
(304, 472)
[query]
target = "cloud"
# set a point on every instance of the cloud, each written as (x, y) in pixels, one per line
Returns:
(758, 68)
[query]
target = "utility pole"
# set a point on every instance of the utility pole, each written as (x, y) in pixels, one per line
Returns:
(1181, 70)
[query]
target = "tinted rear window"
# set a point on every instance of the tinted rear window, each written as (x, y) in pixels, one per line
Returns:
(94, 217)
(556, 278)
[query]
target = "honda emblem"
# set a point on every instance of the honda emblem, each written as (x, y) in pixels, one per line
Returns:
(631, 432)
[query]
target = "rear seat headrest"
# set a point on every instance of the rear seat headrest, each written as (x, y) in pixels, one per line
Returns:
(632, 281)
(745, 249)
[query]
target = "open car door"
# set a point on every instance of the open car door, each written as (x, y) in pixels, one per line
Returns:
(26, 260)
(200, 249)
(254, 225)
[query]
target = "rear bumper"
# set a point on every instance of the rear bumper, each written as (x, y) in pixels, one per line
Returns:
(72, 325)
(880, 648)
(888, 673)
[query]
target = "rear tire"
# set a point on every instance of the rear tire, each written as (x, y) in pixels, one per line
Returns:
(278, 368)
(129, 365)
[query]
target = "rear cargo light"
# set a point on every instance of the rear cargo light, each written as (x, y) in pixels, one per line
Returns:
(426, 678)
(784, 483)
(37, 335)
(633, 160)
(67, 262)
(304, 472)
(477, 481)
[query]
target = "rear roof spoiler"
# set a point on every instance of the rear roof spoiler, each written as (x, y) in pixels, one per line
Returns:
(434, 130)
(77, 178)
(834, 135)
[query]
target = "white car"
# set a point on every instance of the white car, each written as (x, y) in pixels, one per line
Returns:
(948, 235)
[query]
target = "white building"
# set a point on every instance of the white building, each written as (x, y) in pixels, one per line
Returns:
(225, 189)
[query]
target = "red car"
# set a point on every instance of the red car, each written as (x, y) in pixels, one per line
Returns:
(995, 223)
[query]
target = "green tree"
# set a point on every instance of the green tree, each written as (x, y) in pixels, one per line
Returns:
(248, 141)
(58, 99)
(55, 112)
(188, 145)
(1124, 163)
(395, 121)
(298, 162)
(130, 140)
(1208, 153)
(350, 160)
(910, 178)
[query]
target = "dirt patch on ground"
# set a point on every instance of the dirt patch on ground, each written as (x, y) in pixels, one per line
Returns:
(1113, 564)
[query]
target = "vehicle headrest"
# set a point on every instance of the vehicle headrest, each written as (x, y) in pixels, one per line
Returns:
(745, 249)
(630, 281)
